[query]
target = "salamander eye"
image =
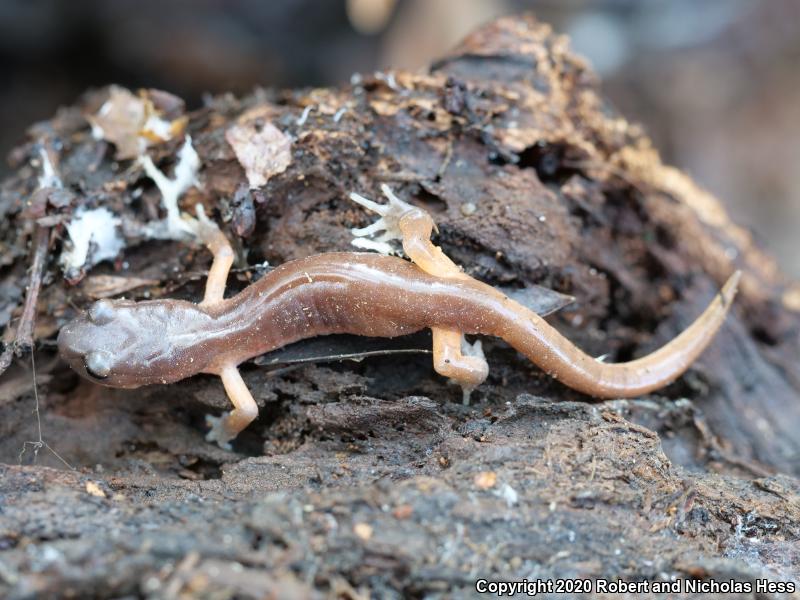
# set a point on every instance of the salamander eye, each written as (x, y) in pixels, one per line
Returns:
(97, 364)
(101, 312)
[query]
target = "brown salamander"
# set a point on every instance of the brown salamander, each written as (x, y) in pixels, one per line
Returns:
(128, 344)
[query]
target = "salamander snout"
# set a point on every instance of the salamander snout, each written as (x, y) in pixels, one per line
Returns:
(92, 343)
(120, 343)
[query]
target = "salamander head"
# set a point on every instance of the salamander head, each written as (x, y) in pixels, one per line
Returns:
(120, 343)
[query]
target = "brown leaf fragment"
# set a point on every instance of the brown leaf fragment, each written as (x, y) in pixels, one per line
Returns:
(119, 121)
(106, 286)
(170, 105)
(132, 123)
(261, 148)
(402, 512)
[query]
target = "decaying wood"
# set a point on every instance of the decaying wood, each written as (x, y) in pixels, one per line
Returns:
(370, 476)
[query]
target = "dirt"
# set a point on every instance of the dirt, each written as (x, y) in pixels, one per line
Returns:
(369, 478)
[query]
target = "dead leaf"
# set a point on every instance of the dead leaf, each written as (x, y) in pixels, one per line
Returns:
(132, 123)
(261, 148)
(105, 286)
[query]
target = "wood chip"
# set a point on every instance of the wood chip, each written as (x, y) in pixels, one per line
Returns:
(404, 511)
(94, 489)
(363, 530)
(485, 480)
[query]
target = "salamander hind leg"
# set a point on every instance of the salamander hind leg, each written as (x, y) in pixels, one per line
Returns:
(388, 222)
(459, 360)
(245, 410)
(412, 226)
(453, 356)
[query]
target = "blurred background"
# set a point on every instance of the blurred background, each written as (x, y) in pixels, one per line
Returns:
(715, 82)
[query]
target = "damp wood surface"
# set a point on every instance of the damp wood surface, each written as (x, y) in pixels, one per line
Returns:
(369, 477)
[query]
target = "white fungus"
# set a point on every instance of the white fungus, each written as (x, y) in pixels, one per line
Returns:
(508, 494)
(172, 189)
(94, 237)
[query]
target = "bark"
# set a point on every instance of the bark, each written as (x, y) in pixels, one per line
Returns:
(371, 477)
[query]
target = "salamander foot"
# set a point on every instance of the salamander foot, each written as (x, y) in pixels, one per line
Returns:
(218, 432)
(388, 223)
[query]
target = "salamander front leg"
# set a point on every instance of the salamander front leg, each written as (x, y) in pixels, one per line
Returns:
(459, 360)
(245, 410)
(210, 234)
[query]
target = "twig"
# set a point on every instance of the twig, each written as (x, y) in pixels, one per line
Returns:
(23, 340)
(402, 176)
(448, 156)
(41, 240)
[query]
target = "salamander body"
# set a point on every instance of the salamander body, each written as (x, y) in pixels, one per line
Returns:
(129, 344)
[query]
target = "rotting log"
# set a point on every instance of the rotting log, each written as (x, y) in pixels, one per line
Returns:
(533, 179)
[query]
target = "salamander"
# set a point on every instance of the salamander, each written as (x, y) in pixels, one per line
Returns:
(121, 343)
